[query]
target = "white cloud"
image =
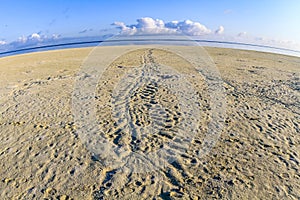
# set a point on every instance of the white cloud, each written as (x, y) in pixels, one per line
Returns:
(149, 25)
(2, 42)
(33, 39)
(21, 39)
(189, 27)
(124, 29)
(120, 25)
(35, 36)
(220, 30)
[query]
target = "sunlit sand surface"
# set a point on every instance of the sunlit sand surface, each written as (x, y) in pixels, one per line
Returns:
(256, 156)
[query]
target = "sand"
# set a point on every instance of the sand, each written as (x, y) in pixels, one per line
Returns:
(256, 155)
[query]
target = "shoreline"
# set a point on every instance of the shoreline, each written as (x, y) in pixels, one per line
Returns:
(202, 43)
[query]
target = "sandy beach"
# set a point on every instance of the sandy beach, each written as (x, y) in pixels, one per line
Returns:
(256, 154)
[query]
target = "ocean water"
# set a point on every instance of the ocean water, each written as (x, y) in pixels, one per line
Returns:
(93, 42)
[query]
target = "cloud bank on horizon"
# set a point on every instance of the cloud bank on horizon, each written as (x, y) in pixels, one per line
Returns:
(33, 39)
(148, 25)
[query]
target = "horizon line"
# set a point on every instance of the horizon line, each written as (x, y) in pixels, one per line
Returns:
(142, 40)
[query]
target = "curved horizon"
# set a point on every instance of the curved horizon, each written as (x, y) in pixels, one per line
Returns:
(90, 44)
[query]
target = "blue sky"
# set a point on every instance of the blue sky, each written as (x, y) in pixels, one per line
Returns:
(273, 19)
